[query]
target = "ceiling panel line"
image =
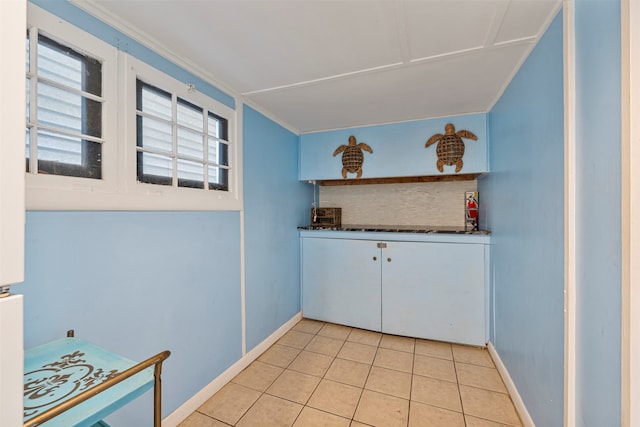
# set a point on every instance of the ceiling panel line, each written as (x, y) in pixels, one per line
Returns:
(403, 32)
(496, 24)
(324, 79)
(474, 50)
(398, 65)
(315, 66)
(523, 40)
(448, 55)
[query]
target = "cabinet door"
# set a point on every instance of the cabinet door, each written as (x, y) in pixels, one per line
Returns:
(341, 282)
(434, 291)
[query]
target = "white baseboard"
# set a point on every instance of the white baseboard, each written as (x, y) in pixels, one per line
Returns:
(184, 410)
(526, 419)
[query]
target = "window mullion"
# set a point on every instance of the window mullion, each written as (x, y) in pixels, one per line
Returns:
(72, 90)
(174, 137)
(61, 131)
(205, 140)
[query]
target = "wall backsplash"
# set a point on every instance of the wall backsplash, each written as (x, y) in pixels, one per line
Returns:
(426, 203)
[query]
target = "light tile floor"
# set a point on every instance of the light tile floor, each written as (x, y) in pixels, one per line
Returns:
(323, 374)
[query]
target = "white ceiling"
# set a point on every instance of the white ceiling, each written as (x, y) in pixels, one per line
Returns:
(322, 64)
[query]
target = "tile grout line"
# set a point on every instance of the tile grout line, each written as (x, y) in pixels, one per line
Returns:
(470, 361)
(365, 383)
(455, 370)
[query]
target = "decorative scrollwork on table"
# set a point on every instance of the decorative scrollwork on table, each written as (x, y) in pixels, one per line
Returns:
(57, 381)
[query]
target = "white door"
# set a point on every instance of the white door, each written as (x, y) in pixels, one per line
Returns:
(13, 19)
(631, 214)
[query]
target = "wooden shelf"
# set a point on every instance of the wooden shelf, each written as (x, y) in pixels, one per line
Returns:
(400, 179)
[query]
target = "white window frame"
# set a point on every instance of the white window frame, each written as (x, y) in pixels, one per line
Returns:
(119, 189)
(163, 196)
(46, 191)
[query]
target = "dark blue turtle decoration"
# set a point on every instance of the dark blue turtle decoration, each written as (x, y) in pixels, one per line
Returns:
(352, 157)
(450, 149)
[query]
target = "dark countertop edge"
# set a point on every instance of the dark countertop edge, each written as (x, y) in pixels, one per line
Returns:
(398, 229)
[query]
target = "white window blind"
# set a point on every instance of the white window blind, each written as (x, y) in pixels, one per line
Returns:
(178, 142)
(64, 109)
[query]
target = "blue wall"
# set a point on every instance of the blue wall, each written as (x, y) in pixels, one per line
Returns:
(275, 203)
(523, 202)
(598, 226)
(398, 148)
(138, 283)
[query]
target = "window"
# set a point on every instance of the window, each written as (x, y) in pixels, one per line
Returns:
(106, 131)
(179, 143)
(182, 142)
(64, 109)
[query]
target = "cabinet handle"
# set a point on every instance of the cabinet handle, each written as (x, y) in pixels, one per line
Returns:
(375, 258)
(388, 259)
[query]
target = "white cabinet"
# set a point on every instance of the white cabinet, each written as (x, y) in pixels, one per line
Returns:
(432, 290)
(341, 282)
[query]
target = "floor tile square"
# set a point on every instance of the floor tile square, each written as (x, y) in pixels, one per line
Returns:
(472, 355)
(422, 415)
(357, 352)
(197, 419)
(438, 349)
(258, 376)
(433, 367)
(294, 386)
(488, 405)
(480, 377)
(388, 381)
(362, 336)
(324, 345)
(443, 394)
(349, 377)
(379, 409)
(310, 417)
(279, 355)
(309, 326)
(311, 363)
(394, 342)
(479, 422)
(348, 372)
(392, 359)
(230, 403)
(336, 398)
(332, 330)
(270, 411)
(296, 339)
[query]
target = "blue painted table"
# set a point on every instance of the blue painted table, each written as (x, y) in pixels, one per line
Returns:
(58, 371)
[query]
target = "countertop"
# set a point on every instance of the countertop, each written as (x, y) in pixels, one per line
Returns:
(420, 229)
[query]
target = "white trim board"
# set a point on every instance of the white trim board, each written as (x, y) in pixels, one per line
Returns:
(630, 353)
(526, 419)
(570, 287)
(188, 407)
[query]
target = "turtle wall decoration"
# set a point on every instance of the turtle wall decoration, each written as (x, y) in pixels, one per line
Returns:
(450, 147)
(352, 157)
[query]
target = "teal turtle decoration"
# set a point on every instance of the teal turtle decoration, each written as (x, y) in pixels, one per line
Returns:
(450, 147)
(352, 157)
